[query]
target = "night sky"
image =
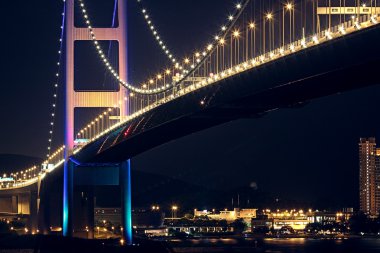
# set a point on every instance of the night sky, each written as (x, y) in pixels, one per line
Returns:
(308, 153)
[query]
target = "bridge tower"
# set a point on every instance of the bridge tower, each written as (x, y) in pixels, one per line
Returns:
(91, 99)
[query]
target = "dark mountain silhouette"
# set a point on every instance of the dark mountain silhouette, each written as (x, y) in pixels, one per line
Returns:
(153, 189)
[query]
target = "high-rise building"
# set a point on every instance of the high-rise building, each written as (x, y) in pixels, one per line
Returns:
(377, 182)
(369, 176)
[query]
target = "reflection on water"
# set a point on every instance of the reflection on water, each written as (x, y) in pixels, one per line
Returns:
(291, 245)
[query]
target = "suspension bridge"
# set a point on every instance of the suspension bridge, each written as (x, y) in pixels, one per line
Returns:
(265, 56)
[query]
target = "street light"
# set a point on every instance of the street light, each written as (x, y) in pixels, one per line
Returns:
(289, 8)
(268, 17)
(174, 211)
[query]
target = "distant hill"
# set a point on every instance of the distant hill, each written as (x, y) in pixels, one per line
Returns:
(152, 189)
(10, 162)
(149, 189)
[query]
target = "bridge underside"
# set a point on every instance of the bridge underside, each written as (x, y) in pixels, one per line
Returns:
(342, 64)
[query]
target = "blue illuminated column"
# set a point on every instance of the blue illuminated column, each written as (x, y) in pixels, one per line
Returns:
(126, 201)
(67, 224)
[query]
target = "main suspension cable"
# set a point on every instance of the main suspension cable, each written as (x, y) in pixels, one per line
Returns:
(209, 49)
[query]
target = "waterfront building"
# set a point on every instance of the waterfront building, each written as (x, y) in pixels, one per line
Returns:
(297, 219)
(228, 215)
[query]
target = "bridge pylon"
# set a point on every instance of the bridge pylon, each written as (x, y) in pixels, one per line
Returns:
(88, 99)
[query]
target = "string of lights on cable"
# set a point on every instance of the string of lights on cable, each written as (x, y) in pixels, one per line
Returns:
(202, 57)
(156, 35)
(56, 83)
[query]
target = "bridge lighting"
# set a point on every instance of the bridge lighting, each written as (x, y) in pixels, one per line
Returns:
(236, 33)
(292, 48)
(224, 28)
(303, 43)
(374, 19)
(342, 30)
(328, 35)
(168, 72)
(252, 25)
(289, 6)
(209, 47)
(357, 25)
(364, 5)
(230, 17)
(238, 6)
(159, 76)
(222, 41)
(315, 39)
(269, 16)
(217, 37)
(282, 51)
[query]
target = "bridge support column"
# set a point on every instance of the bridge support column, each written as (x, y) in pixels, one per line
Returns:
(14, 204)
(68, 188)
(33, 216)
(126, 201)
(44, 212)
(88, 99)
